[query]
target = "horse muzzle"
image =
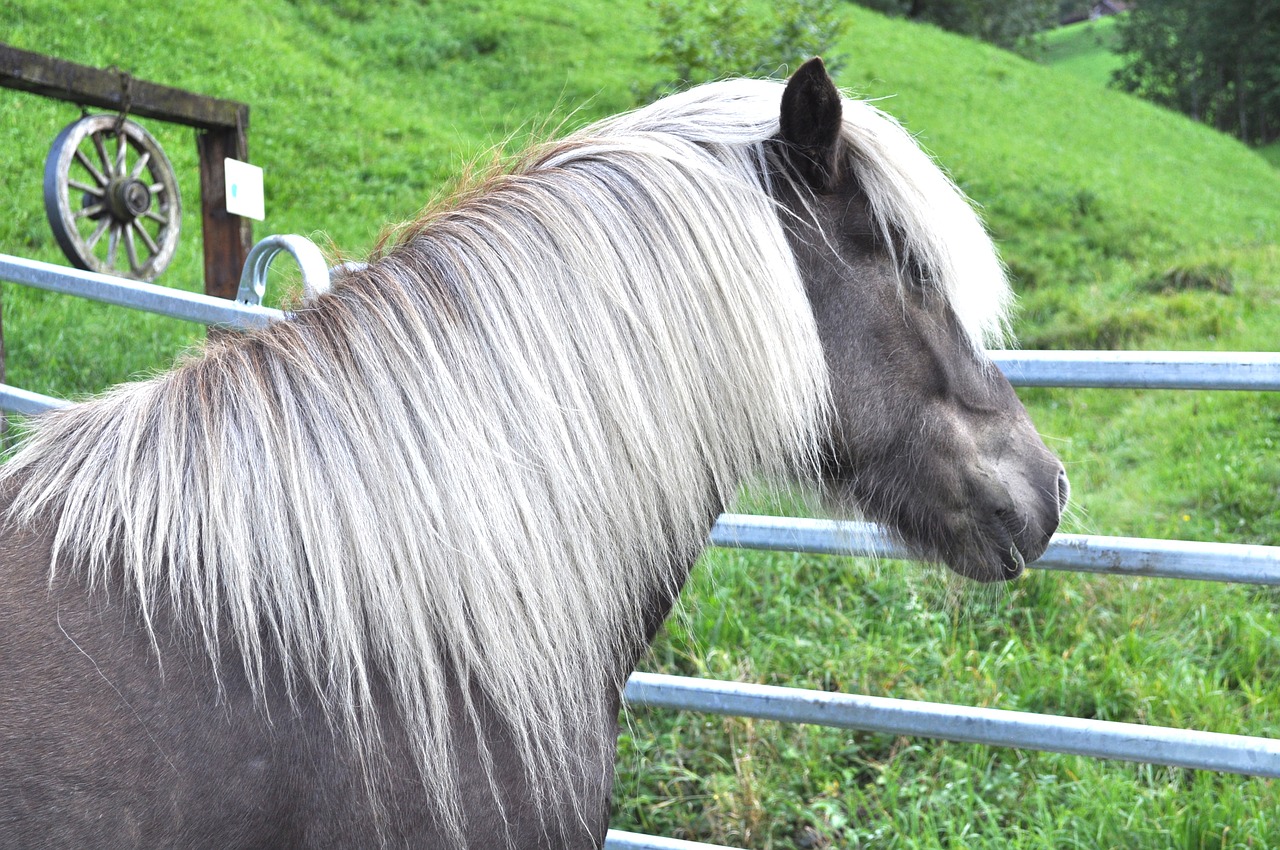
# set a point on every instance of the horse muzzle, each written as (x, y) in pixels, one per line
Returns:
(1010, 526)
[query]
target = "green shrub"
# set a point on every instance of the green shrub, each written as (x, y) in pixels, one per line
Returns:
(699, 42)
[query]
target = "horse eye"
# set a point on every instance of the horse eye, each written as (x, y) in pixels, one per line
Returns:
(864, 242)
(915, 271)
(865, 236)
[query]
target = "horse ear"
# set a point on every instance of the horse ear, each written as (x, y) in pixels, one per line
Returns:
(810, 120)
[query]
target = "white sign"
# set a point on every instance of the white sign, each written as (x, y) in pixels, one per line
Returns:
(244, 189)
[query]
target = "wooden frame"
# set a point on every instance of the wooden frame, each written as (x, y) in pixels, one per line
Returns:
(221, 131)
(221, 127)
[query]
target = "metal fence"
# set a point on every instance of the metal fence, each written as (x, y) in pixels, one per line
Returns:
(1081, 553)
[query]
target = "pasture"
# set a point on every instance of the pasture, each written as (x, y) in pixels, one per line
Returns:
(1085, 50)
(1112, 216)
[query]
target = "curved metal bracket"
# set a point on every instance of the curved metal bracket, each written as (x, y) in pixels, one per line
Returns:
(253, 279)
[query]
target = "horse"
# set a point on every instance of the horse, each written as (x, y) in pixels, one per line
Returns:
(376, 575)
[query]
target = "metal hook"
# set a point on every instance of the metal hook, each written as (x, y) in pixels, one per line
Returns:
(253, 279)
(126, 97)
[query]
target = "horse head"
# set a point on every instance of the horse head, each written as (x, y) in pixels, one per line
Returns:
(927, 436)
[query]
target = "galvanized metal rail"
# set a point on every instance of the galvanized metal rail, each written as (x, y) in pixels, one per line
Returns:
(1242, 754)
(1187, 370)
(176, 303)
(18, 400)
(1086, 553)
(1155, 370)
(619, 840)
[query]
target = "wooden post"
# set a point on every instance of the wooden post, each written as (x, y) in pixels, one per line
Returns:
(227, 237)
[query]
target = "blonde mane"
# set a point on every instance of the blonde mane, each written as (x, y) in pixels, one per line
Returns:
(476, 458)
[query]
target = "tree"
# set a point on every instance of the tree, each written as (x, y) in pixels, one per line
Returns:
(1217, 61)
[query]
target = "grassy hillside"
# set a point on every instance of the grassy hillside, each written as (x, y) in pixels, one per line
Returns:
(1084, 50)
(1124, 225)
(1087, 52)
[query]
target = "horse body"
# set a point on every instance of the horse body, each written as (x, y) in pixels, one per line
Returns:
(104, 745)
(99, 750)
(378, 574)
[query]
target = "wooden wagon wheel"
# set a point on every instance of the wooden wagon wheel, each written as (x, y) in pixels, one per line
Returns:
(112, 198)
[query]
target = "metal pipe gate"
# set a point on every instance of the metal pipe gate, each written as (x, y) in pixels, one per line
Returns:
(1126, 556)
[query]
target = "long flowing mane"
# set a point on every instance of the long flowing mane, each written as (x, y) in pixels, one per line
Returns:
(477, 457)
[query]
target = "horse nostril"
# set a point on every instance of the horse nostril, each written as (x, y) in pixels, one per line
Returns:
(1064, 489)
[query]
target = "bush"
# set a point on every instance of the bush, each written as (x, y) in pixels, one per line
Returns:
(700, 42)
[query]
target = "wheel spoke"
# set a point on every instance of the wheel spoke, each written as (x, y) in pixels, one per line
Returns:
(88, 166)
(141, 164)
(155, 216)
(96, 191)
(97, 232)
(122, 150)
(113, 243)
(102, 154)
(146, 237)
(130, 248)
(90, 210)
(155, 188)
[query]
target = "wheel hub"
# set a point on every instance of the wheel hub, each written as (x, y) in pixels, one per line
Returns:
(128, 198)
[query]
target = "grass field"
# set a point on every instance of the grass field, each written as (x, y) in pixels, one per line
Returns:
(1119, 221)
(1085, 50)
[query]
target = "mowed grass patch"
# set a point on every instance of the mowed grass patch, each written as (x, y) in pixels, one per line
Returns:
(1086, 50)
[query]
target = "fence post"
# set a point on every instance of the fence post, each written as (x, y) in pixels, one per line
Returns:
(227, 237)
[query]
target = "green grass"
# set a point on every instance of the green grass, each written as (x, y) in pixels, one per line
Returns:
(1108, 211)
(1108, 649)
(1085, 50)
